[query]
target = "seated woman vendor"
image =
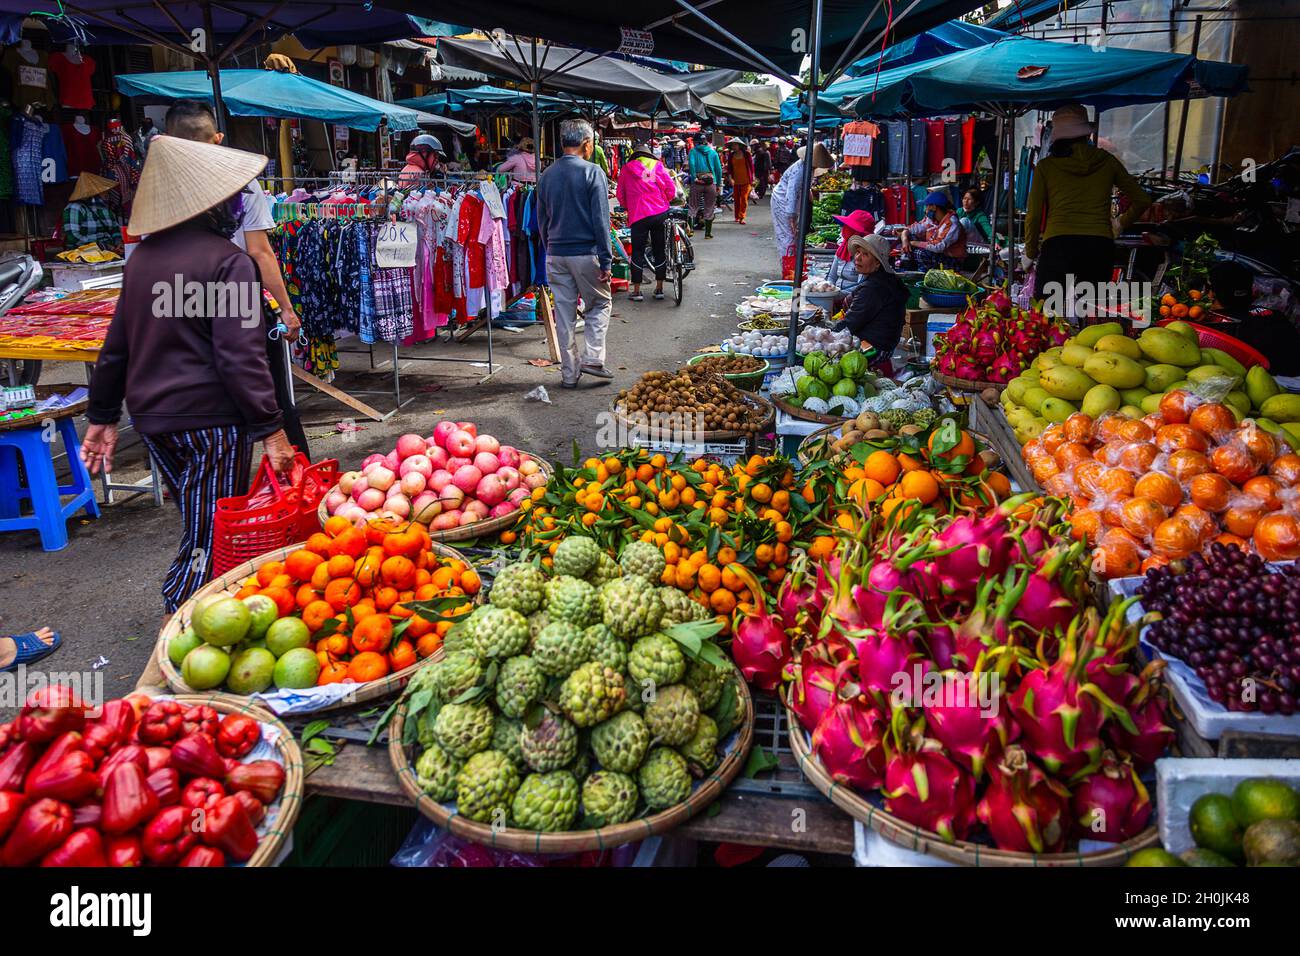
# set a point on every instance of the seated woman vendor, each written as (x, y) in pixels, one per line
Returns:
(937, 241)
(875, 310)
(87, 217)
(843, 275)
(1270, 333)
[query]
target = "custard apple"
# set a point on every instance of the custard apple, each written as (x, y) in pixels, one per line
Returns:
(486, 786)
(606, 569)
(706, 680)
(673, 715)
(658, 659)
(663, 779)
(581, 765)
(550, 745)
(729, 712)
(896, 418)
(435, 773)
(464, 729)
(560, 648)
(536, 622)
(424, 734)
(639, 693)
(519, 682)
(608, 798)
(631, 607)
(592, 693)
(519, 587)
(505, 739)
(701, 751)
(606, 648)
(644, 560)
(456, 673)
(568, 599)
(500, 633)
(576, 556)
(621, 742)
(546, 802)
(461, 636)
(680, 609)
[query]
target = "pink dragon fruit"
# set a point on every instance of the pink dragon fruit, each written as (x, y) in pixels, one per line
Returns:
(795, 594)
(969, 730)
(1057, 333)
(1111, 805)
(999, 301)
(972, 548)
(761, 650)
(925, 788)
(1049, 595)
(848, 742)
(946, 363)
(1004, 368)
(1150, 735)
(985, 346)
(812, 689)
(1025, 810)
(883, 659)
(967, 370)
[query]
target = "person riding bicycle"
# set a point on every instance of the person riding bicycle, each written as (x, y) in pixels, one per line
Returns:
(645, 190)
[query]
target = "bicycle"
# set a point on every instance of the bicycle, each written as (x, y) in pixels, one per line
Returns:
(681, 254)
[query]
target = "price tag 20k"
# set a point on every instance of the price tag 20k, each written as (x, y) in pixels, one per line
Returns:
(395, 245)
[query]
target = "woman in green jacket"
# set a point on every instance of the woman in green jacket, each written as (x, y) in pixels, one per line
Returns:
(1068, 220)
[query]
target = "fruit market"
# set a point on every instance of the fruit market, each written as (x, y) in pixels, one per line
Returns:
(889, 458)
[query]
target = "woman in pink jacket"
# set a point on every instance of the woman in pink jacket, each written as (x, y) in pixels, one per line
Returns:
(645, 189)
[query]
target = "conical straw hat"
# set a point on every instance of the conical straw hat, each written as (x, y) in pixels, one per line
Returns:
(89, 185)
(182, 178)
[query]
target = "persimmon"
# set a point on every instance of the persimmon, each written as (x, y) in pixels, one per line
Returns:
(1201, 522)
(1085, 523)
(1153, 561)
(1107, 427)
(1115, 558)
(1058, 486)
(1258, 442)
(1070, 454)
(368, 666)
(1135, 430)
(1138, 457)
(1210, 492)
(1235, 462)
(1175, 538)
(1078, 427)
(1213, 419)
(1186, 463)
(1161, 487)
(1277, 537)
(1116, 483)
(1052, 438)
(1086, 475)
(1230, 540)
(1141, 516)
(1173, 437)
(1176, 407)
(1265, 489)
(1242, 516)
(1045, 468)
(1286, 468)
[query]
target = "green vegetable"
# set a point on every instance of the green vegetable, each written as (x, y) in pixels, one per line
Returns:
(830, 373)
(813, 361)
(853, 365)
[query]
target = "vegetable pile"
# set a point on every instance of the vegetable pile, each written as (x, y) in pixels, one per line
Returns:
(828, 386)
(995, 341)
(945, 280)
(146, 783)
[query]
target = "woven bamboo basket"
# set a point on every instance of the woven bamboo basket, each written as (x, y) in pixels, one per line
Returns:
(290, 800)
(963, 852)
(963, 384)
(230, 583)
(803, 414)
(750, 398)
(830, 431)
(704, 793)
(470, 531)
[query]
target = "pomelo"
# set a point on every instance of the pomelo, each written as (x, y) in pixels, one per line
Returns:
(205, 667)
(286, 634)
(298, 668)
(224, 622)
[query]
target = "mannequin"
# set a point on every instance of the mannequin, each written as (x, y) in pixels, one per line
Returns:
(74, 70)
(26, 52)
(82, 143)
(28, 77)
(72, 52)
(80, 125)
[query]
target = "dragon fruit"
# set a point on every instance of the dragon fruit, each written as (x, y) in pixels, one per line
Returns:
(985, 346)
(999, 301)
(1151, 735)
(812, 688)
(968, 730)
(971, 548)
(925, 788)
(1111, 805)
(848, 742)
(882, 658)
(967, 370)
(1050, 593)
(795, 593)
(1025, 810)
(761, 649)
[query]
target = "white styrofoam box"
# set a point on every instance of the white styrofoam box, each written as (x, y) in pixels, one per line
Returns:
(936, 323)
(789, 425)
(1208, 718)
(871, 849)
(1180, 781)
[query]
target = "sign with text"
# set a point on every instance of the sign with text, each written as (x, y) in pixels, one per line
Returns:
(395, 245)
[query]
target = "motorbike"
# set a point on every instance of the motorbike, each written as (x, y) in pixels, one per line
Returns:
(20, 273)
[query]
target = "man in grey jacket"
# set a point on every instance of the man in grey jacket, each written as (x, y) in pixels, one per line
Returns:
(573, 217)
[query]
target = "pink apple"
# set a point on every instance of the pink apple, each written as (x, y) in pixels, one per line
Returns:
(372, 499)
(359, 486)
(382, 478)
(529, 467)
(346, 479)
(370, 460)
(535, 480)
(469, 517)
(487, 443)
(518, 496)
(486, 462)
(441, 432)
(455, 463)
(491, 490)
(416, 463)
(335, 500)
(437, 457)
(446, 521)
(399, 505)
(392, 461)
(354, 513)
(425, 507)
(466, 478)
(508, 455)
(510, 476)
(451, 498)
(409, 445)
(503, 509)
(413, 483)
(469, 427)
(476, 508)
(439, 480)
(460, 443)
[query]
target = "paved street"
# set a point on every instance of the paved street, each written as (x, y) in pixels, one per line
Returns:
(102, 591)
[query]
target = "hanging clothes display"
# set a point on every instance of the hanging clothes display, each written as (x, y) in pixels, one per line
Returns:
(6, 163)
(74, 79)
(52, 149)
(82, 149)
(28, 141)
(933, 147)
(120, 162)
(859, 142)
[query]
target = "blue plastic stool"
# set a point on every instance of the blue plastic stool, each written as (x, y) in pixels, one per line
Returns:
(50, 514)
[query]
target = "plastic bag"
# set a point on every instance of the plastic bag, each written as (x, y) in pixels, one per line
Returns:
(538, 395)
(428, 845)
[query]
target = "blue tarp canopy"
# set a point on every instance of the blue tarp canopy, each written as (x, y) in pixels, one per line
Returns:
(1018, 72)
(268, 93)
(484, 97)
(942, 40)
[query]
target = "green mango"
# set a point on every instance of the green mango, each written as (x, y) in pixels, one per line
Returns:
(1018, 414)
(1283, 408)
(1151, 404)
(1015, 389)
(1182, 385)
(1210, 373)
(1119, 343)
(1131, 411)
(1292, 433)
(1133, 396)
(1091, 335)
(1034, 398)
(1031, 375)
(1067, 383)
(1160, 377)
(1270, 426)
(1170, 348)
(1183, 329)
(1100, 400)
(1223, 360)
(1261, 386)
(1239, 401)
(1057, 409)
(1030, 430)
(1049, 359)
(1075, 355)
(1118, 371)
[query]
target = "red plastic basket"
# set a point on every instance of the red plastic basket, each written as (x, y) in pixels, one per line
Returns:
(272, 515)
(1213, 339)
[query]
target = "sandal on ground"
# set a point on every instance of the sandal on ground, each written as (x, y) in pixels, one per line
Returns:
(659, 295)
(32, 649)
(636, 297)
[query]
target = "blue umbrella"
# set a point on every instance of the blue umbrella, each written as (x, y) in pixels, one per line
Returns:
(940, 41)
(481, 97)
(270, 93)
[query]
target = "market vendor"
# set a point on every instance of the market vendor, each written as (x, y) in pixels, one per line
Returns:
(973, 217)
(421, 159)
(87, 217)
(523, 164)
(843, 274)
(795, 186)
(740, 173)
(199, 386)
(937, 241)
(875, 312)
(1269, 333)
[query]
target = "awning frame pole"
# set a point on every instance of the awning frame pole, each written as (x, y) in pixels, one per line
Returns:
(800, 240)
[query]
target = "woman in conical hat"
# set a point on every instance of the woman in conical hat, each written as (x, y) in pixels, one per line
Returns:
(87, 217)
(186, 349)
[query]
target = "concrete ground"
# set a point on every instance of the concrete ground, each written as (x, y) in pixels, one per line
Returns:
(102, 591)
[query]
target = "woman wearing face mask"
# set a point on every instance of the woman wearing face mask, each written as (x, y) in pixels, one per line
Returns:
(875, 312)
(937, 241)
(193, 370)
(844, 274)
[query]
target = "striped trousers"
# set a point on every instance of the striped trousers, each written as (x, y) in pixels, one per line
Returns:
(198, 466)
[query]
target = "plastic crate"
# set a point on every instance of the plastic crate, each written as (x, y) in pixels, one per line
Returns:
(1213, 339)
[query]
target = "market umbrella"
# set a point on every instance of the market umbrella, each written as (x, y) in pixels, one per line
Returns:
(944, 39)
(481, 97)
(272, 93)
(747, 102)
